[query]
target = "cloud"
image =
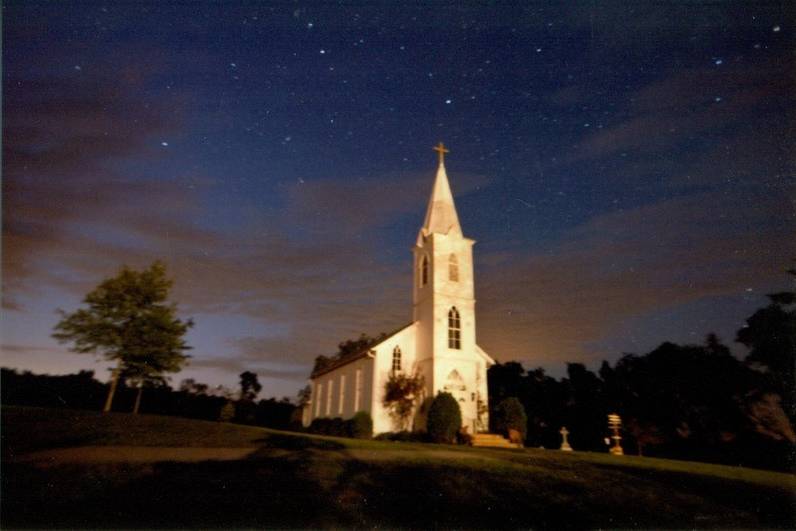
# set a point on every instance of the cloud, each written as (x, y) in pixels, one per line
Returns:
(551, 305)
(71, 217)
(349, 207)
(682, 106)
(60, 136)
(5, 347)
(236, 365)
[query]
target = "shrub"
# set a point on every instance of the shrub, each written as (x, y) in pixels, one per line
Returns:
(401, 392)
(403, 436)
(337, 427)
(320, 426)
(360, 426)
(509, 414)
(444, 418)
(462, 437)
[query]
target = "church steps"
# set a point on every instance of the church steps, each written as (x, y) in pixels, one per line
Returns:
(492, 440)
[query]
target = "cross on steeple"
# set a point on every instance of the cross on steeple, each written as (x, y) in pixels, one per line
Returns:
(441, 150)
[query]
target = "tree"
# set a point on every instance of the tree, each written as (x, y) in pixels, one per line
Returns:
(355, 346)
(770, 335)
(128, 321)
(190, 385)
(348, 348)
(401, 393)
(304, 395)
(249, 386)
(510, 414)
(444, 418)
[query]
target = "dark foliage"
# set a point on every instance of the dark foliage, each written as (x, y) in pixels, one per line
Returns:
(361, 426)
(401, 393)
(348, 348)
(770, 335)
(249, 386)
(444, 418)
(326, 426)
(82, 391)
(403, 436)
(683, 401)
(78, 391)
(509, 414)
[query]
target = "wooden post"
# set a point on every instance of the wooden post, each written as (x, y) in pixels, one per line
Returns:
(138, 398)
(112, 390)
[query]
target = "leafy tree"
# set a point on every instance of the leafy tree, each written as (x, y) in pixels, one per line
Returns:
(190, 385)
(444, 418)
(401, 393)
(510, 414)
(128, 321)
(770, 335)
(348, 348)
(249, 386)
(684, 399)
(585, 407)
(355, 346)
(545, 400)
(304, 395)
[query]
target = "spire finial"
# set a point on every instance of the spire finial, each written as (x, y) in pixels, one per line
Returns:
(441, 150)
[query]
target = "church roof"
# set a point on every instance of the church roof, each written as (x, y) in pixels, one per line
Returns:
(441, 214)
(337, 363)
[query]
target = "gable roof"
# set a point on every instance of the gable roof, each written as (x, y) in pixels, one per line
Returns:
(337, 363)
(489, 359)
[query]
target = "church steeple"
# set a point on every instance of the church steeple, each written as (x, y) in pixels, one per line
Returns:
(441, 214)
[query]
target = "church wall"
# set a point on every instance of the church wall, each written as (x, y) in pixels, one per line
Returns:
(344, 391)
(405, 340)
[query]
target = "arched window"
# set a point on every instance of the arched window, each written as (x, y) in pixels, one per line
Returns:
(423, 271)
(396, 359)
(454, 329)
(453, 268)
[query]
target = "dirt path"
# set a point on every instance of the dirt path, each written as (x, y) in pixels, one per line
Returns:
(132, 454)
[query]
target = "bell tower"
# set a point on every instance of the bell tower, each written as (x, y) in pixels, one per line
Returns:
(444, 298)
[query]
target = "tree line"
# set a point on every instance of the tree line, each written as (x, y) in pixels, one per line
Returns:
(190, 399)
(696, 402)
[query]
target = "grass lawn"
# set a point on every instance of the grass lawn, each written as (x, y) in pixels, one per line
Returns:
(296, 480)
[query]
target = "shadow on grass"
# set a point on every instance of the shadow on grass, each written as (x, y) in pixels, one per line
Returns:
(773, 506)
(255, 492)
(298, 442)
(303, 482)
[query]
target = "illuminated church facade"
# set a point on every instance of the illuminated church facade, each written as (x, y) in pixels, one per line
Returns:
(439, 344)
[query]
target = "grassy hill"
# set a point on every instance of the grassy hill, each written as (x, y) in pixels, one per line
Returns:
(282, 479)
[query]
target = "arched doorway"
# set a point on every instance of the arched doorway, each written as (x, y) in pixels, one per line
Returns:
(454, 384)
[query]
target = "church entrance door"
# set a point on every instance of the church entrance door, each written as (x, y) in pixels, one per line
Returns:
(454, 385)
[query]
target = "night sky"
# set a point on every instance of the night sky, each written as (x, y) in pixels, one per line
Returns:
(627, 171)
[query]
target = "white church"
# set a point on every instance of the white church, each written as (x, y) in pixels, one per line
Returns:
(439, 343)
